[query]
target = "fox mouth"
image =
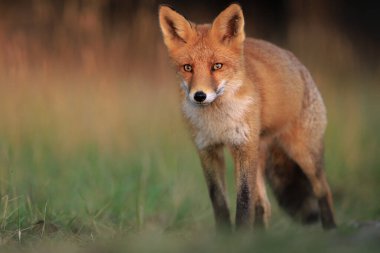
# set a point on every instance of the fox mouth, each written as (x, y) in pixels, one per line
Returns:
(203, 103)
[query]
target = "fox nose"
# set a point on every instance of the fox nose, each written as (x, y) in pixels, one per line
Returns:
(200, 96)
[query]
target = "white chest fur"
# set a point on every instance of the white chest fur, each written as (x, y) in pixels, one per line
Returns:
(223, 124)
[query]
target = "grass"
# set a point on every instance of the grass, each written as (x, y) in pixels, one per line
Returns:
(86, 163)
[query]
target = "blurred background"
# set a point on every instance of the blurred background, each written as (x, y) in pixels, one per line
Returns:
(91, 137)
(118, 36)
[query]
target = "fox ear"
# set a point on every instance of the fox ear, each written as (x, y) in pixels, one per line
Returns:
(228, 26)
(176, 29)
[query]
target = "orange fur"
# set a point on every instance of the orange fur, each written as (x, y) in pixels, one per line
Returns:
(261, 98)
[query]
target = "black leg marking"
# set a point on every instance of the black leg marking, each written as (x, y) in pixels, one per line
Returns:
(242, 205)
(221, 212)
(327, 216)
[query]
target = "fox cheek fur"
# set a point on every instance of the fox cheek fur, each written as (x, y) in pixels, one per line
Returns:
(261, 103)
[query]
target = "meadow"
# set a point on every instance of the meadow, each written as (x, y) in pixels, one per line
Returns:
(109, 161)
(99, 160)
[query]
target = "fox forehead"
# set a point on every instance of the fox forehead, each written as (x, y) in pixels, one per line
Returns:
(202, 48)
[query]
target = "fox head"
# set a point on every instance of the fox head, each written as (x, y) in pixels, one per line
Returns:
(209, 57)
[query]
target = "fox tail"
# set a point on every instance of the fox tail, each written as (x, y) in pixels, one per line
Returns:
(291, 187)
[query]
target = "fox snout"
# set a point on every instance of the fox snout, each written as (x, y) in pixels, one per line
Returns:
(204, 95)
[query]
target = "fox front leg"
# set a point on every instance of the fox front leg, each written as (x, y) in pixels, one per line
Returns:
(213, 164)
(245, 159)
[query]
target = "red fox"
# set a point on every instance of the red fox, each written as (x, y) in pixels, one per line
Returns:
(261, 103)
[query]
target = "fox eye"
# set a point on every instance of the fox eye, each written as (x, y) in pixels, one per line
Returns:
(217, 66)
(187, 67)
